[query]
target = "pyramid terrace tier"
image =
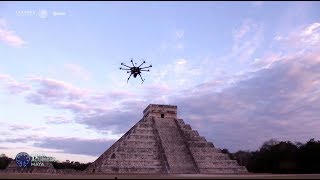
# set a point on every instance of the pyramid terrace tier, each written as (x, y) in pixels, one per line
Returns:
(162, 143)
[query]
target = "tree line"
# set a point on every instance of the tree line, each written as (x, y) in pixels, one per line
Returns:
(273, 157)
(281, 157)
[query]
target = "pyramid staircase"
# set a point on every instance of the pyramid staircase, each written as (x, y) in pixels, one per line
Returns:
(160, 143)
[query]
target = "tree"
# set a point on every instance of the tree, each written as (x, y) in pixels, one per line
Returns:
(4, 161)
(308, 157)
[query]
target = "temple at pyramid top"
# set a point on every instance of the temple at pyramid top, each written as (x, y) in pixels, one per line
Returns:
(161, 143)
(160, 111)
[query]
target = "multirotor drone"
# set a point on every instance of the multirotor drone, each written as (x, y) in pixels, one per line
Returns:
(135, 70)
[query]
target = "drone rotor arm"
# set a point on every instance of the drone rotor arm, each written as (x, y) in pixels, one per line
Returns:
(142, 63)
(145, 67)
(125, 65)
(132, 63)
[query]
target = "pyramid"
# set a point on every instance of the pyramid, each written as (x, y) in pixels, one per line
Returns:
(161, 143)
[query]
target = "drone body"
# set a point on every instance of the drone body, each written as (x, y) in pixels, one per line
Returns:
(135, 70)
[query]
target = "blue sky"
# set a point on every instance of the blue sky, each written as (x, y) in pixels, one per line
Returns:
(240, 73)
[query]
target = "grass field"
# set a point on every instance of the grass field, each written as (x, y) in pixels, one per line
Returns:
(176, 176)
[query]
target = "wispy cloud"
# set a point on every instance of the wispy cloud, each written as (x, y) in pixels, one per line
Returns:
(246, 39)
(9, 37)
(179, 34)
(12, 85)
(272, 102)
(57, 120)
(78, 71)
(301, 39)
(93, 147)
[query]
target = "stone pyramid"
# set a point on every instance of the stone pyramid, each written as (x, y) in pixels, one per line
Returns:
(160, 143)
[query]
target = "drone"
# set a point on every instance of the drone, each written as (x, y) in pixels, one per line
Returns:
(135, 70)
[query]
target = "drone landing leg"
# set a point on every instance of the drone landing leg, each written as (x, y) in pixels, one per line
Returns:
(129, 78)
(141, 78)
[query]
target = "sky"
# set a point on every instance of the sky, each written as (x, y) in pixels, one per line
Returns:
(240, 73)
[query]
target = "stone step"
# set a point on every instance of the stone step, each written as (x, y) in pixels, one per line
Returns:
(144, 137)
(190, 133)
(144, 127)
(142, 131)
(197, 139)
(213, 164)
(199, 144)
(212, 157)
(140, 144)
(204, 150)
(144, 124)
(129, 149)
(182, 170)
(147, 141)
(239, 169)
(218, 161)
(131, 163)
(140, 156)
(178, 158)
(156, 169)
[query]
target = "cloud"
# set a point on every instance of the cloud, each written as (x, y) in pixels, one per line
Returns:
(174, 43)
(78, 71)
(181, 73)
(94, 147)
(19, 127)
(179, 34)
(57, 120)
(300, 39)
(9, 37)
(3, 22)
(12, 85)
(17, 88)
(117, 121)
(272, 103)
(246, 40)
(298, 42)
